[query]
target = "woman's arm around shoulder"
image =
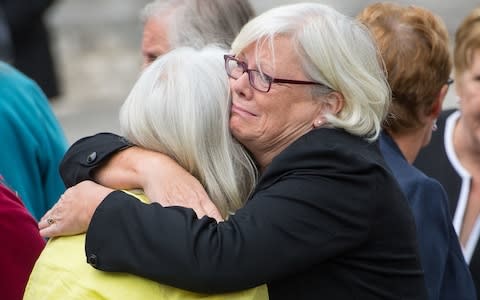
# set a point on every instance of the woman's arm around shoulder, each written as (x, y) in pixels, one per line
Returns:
(89, 154)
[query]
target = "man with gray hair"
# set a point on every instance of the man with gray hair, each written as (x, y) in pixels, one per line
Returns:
(170, 24)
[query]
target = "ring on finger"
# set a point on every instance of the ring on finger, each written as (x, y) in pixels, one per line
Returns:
(50, 221)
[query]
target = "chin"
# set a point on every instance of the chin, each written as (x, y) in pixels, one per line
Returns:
(235, 127)
(236, 122)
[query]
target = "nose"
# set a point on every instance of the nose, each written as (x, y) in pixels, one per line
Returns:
(241, 86)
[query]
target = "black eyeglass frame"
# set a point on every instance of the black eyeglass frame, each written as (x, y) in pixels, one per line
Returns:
(270, 79)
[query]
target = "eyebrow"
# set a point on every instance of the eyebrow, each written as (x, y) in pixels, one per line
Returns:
(261, 68)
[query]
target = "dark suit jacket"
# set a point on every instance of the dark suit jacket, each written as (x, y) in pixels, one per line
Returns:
(326, 220)
(446, 273)
(31, 42)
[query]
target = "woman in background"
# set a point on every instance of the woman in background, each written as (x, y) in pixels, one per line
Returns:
(21, 244)
(453, 156)
(414, 46)
(34, 142)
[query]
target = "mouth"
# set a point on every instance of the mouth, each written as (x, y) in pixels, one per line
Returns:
(241, 111)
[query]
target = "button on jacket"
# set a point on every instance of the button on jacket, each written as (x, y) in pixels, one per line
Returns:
(326, 220)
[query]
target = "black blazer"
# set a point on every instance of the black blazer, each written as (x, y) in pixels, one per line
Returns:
(326, 221)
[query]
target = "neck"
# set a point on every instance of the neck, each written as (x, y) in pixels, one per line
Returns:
(264, 157)
(409, 143)
(264, 152)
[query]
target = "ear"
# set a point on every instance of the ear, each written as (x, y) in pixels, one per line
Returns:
(437, 105)
(334, 103)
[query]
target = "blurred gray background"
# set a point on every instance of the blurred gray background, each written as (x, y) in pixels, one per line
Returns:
(97, 49)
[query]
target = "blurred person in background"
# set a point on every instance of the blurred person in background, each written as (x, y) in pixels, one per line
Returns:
(326, 219)
(182, 78)
(415, 48)
(34, 142)
(31, 53)
(169, 24)
(5, 39)
(21, 244)
(453, 156)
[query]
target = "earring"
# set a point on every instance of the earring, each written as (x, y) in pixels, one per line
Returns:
(318, 123)
(434, 126)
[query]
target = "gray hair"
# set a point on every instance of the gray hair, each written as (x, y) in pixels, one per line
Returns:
(335, 50)
(197, 23)
(180, 107)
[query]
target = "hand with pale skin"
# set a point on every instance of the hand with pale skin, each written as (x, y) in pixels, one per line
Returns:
(72, 213)
(160, 177)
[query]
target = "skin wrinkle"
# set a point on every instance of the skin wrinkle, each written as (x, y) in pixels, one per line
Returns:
(276, 121)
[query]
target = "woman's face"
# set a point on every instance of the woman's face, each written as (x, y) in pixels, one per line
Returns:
(468, 89)
(266, 123)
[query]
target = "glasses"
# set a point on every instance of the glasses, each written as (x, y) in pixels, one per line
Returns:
(258, 80)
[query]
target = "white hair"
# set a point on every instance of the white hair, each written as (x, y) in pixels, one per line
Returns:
(334, 50)
(180, 106)
(196, 23)
(159, 8)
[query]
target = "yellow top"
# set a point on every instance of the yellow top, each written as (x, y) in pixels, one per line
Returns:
(61, 272)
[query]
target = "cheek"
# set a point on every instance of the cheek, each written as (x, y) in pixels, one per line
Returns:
(469, 95)
(461, 89)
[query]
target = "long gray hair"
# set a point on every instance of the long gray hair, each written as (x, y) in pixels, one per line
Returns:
(180, 106)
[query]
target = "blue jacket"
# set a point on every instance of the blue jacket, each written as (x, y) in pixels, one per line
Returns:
(33, 142)
(446, 273)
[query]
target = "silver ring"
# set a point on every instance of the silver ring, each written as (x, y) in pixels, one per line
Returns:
(50, 221)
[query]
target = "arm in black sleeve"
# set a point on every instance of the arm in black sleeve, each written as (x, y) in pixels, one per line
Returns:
(88, 154)
(293, 224)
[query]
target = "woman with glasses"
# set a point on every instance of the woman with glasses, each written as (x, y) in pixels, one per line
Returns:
(326, 218)
(414, 45)
(453, 156)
